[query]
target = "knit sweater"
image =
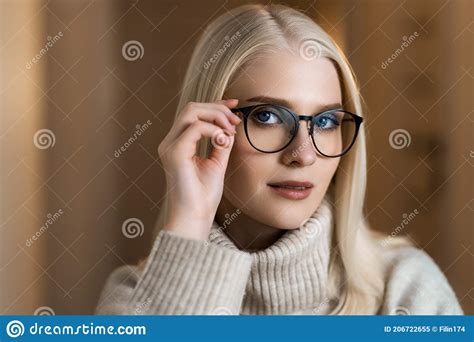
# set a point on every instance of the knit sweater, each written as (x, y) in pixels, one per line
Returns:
(193, 277)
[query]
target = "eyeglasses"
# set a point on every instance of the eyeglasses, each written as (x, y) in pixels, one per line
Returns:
(271, 128)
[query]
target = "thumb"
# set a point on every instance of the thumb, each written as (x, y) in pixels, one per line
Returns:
(222, 142)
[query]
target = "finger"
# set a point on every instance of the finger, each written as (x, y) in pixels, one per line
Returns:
(227, 104)
(224, 106)
(219, 154)
(186, 142)
(201, 113)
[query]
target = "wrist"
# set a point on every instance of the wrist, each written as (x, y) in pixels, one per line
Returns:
(189, 228)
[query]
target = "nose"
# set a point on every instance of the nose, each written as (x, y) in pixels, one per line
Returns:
(301, 151)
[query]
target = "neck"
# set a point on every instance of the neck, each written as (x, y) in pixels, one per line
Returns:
(247, 234)
(291, 275)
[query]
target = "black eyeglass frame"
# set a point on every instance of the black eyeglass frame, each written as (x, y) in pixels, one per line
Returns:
(297, 118)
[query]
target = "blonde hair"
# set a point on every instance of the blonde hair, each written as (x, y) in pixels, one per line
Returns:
(230, 42)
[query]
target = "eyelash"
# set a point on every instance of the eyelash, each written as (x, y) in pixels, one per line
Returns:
(330, 117)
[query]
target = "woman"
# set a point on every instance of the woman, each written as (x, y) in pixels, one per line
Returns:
(268, 217)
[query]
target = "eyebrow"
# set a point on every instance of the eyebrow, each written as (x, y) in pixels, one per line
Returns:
(286, 103)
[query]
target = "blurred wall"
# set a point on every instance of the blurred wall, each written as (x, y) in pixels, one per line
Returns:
(80, 126)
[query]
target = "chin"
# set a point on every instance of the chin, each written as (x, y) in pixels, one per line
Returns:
(291, 222)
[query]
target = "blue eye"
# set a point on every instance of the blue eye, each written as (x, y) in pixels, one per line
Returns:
(326, 121)
(266, 117)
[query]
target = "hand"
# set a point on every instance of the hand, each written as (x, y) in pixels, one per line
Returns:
(195, 185)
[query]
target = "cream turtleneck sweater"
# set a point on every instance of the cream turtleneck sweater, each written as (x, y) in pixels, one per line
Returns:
(193, 277)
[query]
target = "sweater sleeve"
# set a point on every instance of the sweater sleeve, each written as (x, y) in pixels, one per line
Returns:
(181, 277)
(415, 285)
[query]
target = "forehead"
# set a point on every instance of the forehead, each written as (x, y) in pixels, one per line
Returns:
(306, 84)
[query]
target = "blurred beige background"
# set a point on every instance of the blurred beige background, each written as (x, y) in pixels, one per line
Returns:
(71, 97)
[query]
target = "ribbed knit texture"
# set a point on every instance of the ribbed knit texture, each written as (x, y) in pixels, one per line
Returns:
(193, 277)
(179, 269)
(291, 274)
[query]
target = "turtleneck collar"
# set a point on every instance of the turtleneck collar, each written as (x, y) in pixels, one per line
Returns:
(290, 275)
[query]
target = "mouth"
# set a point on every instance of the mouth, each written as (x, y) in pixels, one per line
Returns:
(293, 190)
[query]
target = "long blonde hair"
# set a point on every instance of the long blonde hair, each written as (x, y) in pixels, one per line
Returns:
(356, 271)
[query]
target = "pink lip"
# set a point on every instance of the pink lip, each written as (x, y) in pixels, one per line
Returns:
(293, 194)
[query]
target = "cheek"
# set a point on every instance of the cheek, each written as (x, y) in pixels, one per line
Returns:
(324, 171)
(246, 172)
